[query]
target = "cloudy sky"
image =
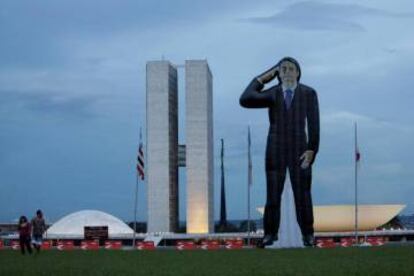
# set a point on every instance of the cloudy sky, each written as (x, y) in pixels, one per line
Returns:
(72, 95)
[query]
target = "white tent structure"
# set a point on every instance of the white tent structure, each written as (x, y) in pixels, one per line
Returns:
(72, 225)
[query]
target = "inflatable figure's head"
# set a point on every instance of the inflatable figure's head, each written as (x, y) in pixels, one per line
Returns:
(289, 71)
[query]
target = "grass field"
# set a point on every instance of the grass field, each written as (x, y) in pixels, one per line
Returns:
(396, 260)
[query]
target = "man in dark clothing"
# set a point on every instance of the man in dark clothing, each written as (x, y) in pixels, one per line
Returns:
(38, 228)
(292, 143)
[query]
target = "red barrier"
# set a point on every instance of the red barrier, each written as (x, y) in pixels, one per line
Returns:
(89, 245)
(325, 243)
(347, 242)
(210, 245)
(15, 245)
(145, 245)
(186, 245)
(375, 241)
(113, 245)
(1, 244)
(234, 244)
(65, 245)
(46, 245)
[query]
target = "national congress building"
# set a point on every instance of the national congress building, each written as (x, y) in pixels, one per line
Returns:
(165, 155)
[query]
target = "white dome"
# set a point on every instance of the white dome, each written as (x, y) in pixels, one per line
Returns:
(72, 225)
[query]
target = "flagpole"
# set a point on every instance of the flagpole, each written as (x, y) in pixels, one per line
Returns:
(223, 212)
(135, 209)
(249, 180)
(136, 188)
(356, 184)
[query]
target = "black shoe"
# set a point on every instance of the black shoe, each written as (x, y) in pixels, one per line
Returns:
(266, 241)
(309, 240)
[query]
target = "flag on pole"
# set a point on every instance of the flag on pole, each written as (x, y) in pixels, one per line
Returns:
(140, 158)
(357, 152)
(357, 159)
(250, 174)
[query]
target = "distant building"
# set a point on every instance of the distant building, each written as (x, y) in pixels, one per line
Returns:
(73, 225)
(341, 218)
(7, 228)
(162, 146)
(199, 147)
(165, 155)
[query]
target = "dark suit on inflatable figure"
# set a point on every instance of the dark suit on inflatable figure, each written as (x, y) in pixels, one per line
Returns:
(292, 143)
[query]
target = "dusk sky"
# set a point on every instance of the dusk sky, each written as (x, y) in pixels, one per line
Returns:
(72, 96)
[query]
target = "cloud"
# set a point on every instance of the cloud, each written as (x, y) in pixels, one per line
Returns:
(323, 16)
(47, 103)
(391, 168)
(41, 33)
(340, 118)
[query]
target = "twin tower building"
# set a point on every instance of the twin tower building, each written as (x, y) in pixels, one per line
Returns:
(164, 153)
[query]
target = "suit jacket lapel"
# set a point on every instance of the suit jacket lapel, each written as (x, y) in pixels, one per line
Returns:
(296, 96)
(280, 99)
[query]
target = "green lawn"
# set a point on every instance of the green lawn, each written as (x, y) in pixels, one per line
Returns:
(396, 260)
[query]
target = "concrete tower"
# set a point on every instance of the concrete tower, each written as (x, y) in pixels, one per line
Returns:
(162, 146)
(199, 147)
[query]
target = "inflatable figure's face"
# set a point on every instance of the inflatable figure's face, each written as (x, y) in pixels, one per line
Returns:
(288, 73)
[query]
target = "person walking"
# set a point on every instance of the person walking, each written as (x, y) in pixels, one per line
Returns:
(24, 229)
(38, 228)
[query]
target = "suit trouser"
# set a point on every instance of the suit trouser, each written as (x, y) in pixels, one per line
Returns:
(301, 180)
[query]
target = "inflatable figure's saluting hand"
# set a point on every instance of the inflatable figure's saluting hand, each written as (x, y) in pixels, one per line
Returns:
(269, 75)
